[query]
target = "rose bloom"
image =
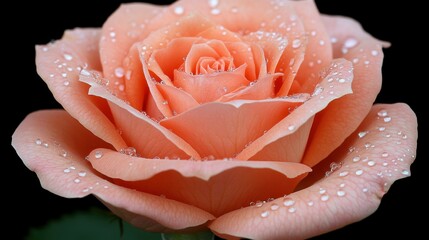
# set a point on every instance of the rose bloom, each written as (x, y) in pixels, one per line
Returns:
(217, 115)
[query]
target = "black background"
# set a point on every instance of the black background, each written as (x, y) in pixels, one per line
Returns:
(28, 205)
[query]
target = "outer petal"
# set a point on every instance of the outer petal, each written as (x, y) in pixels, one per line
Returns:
(217, 186)
(341, 118)
(54, 145)
(347, 195)
(292, 132)
(149, 138)
(59, 65)
(222, 130)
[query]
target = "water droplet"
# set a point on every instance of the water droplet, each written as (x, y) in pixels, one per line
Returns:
(38, 141)
(105, 187)
(265, 214)
(85, 190)
(112, 34)
(350, 43)
(344, 173)
(64, 75)
(119, 72)
(67, 170)
(359, 172)
(296, 43)
(165, 102)
(310, 203)
(374, 53)
(82, 173)
(259, 204)
(362, 134)
(76, 180)
(85, 73)
(98, 154)
(291, 127)
(179, 10)
(318, 90)
(288, 202)
(406, 172)
(371, 163)
(292, 210)
(324, 197)
(322, 190)
(385, 154)
(215, 11)
(341, 80)
(387, 119)
(45, 144)
(64, 153)
(68, 57)
(322, 43)
(385, 164)
(66, 83)
(342, 185)
(341, 193)
(365, 190)
(381, 129)
(274, 207)
(382, 113)
(356, 159)
(72, 168)
(404, 137)
(130, 151)
(213, 3)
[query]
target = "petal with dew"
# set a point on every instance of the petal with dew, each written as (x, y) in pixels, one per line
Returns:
(341, 118)
(222, 130)
(54, 145)
(59, 65)
(334, 85)
(347, 195)
(218, 186)
(147, 137)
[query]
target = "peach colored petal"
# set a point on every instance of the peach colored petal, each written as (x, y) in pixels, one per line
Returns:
(348, 195)
(222, 130)
(139, 131)
(220, 33)
(178, 100)
(127, 25)
(263, 88)
(341, 118)
(135, 87)
(164, 61)
(243, 54)
(218, 186)
(59, 65)
(212, 49)
(318, 52)
(209, 87)
(54, 145)
(334, 85)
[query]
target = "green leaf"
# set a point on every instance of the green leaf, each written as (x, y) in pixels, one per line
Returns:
(193, 236)
(89, 225)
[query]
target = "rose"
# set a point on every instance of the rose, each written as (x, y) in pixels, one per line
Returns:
(293, 116)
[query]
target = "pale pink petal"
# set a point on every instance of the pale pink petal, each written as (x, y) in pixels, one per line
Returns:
(59, 65)
(217, 186)
(222, 130)
(348, 195)
(341, 118)
(138, 130)
(136, 88)
(334, 85)
(54, 145)
(220, 33)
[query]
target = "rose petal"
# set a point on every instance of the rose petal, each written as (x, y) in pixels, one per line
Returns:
(178, 100)
(217, 186)
(135, 87)
(149, 138)
(220, 33)
(347, 195)
(59, 65)
(341, 118)
(222, 130)
(334, 85)
(209, 87)
(122, 29)
(318, 52)
(54, 145)
(261, 89)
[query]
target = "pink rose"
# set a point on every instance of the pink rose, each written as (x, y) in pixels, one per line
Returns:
(217, 115)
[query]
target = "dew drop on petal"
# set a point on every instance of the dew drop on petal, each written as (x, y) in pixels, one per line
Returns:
(324, 197)
(356, 159)
(82, 173)
(68, 57)
(259, 204)
(76, 180)
(359, 172)
(213, 3)
(288, 202)
(119, 72)
(350, 43)
(291, 127)
(274, 207)
(179, 10)
(362, 134)
(292, 210)
(67, 170)
(265, 214)
(405, 172)
(296, 43)
(341, 193)
(374, 53)
(371, 163)
(215, 11)
(38, 141)
(387, 119)
(382, 113)
(98, 154)
(344, 173)
(365, 190)
(385, 154)
(310, 203)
